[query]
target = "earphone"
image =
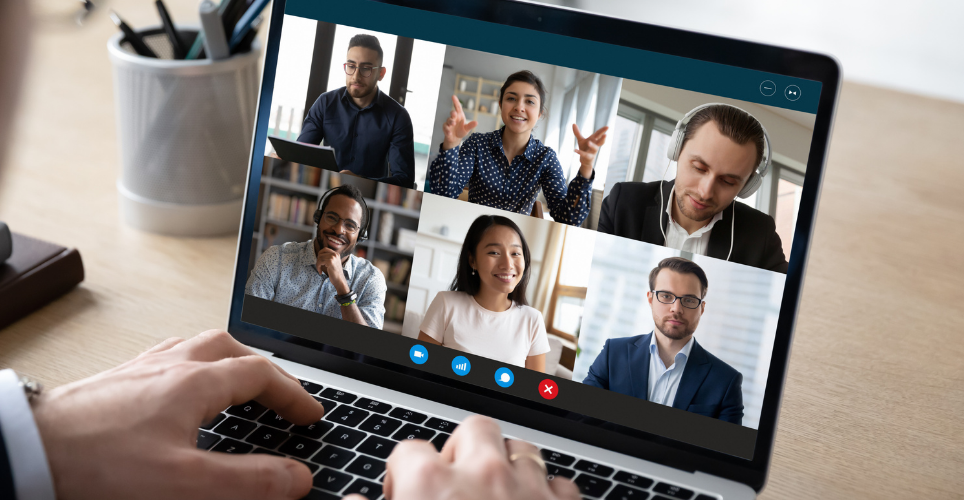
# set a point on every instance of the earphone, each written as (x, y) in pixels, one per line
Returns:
(756, 178)
(753, 183)
(363, 234)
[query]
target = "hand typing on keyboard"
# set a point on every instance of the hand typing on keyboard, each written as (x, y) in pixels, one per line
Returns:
(475, 463)
(130, 432)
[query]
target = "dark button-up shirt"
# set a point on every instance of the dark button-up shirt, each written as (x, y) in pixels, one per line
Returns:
(370, 141)
(481, 163)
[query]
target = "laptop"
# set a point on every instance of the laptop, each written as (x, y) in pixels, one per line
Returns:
(595, 330)
(306, 154)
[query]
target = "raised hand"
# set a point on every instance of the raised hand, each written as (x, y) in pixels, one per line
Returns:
(455, 127)
(587, 147)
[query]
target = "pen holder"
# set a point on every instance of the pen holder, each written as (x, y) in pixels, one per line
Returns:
(185, 130)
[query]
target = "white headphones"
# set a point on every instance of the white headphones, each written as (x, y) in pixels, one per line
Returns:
(756, 178)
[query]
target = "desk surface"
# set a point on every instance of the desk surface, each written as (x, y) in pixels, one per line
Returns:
(874, 405)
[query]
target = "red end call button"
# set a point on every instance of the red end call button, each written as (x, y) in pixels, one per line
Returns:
(548, 389)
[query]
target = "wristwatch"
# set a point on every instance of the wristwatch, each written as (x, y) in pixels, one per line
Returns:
(31, 388)
(347, 299)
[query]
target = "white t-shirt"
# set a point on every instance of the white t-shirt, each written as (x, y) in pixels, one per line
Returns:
(456, 320)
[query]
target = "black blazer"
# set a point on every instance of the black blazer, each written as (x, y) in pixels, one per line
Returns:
(632, 210)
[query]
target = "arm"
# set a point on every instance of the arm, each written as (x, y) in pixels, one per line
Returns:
(731, 408)
(265, 275)
(23, 463)
(369, 307)
(401, 152)
(313, 131)
(454, 165)
(599, 371)
(568, 206)
(607, 213)
(537, 363)
(774, 260)
(423, 337)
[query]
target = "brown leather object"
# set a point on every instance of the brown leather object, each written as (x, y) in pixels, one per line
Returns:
(36, 273)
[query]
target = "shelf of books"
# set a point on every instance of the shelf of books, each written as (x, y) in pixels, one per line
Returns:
(287, 201)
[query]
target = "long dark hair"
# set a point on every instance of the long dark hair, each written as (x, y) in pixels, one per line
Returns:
(465, 281)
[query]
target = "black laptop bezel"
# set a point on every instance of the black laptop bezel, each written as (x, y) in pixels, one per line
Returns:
(568, 22)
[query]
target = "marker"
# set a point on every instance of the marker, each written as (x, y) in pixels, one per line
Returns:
(137, 43)
(215, 43)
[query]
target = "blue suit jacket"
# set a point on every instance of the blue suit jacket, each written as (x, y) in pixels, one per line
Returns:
(709, 386)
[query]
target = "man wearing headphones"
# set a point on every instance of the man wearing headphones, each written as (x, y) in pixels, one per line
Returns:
(721, 152)
(321, 274)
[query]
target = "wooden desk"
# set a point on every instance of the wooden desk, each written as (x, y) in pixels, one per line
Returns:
(874, 405)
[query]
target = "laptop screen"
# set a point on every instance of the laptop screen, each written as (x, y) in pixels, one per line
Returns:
(594, 228)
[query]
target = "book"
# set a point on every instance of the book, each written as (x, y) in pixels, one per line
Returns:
(36, 273)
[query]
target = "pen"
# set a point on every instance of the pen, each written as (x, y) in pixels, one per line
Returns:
(180, 52)
(244, 25)
(132, 37)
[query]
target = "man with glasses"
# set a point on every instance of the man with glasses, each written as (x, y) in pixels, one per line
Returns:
(371, 133)
(321, 274)
(668, 366)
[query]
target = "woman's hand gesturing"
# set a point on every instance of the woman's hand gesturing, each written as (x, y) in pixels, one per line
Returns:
(455, 127)
(587, 147)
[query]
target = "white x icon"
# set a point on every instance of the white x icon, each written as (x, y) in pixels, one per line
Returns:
(548, 389)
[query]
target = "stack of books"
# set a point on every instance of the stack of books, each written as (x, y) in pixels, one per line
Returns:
(296, 209)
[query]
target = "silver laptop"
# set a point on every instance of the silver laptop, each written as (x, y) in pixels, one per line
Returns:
(629, 311)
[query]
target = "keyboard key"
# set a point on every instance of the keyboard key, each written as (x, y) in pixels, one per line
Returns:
(205, 440)
(383, 426)
(250, 410)
(316, 494)
(377, 447)
(372, 405)
(439, 441)
(311, 387)
(274, 420)
(347, 415)
(214, 421)
(367, 489)
(263, 451)
(441, 425)
(591, 485)
(408, 415)
(556, 471)
(594, 468)
(705, 497)
(235, 427)
(633, 479)
(623, 492)
(557, 458)
(367, 467)
(328, 404)
(232, 446)
(300, 447)
(672, 490)
(267, 437)
(413, 432)
(314, 431)
(340, 396)
(344, 437)
(331, 480)
(333, 456)
(312, 467)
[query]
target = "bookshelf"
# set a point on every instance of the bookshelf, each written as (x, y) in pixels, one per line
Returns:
(287, 201)
(484, 97)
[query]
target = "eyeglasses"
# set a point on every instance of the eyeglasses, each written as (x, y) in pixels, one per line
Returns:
(669, 298)
(364, 71)
(332, 219)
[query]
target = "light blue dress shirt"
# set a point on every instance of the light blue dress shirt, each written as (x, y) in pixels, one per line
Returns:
(287, 274)
(664, 381)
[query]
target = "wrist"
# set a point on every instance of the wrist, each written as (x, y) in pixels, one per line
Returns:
(585, 170)
(341, 287)
(447, 144)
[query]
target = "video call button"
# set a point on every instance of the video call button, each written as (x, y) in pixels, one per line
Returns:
(504, 377)
(548, 389)
(461, 366)
(768, 88)
(419, 354)
(792, 92)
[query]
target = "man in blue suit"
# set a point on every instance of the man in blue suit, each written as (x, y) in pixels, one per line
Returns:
(668, 366)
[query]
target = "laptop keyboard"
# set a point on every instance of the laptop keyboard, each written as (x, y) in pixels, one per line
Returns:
(347, 449)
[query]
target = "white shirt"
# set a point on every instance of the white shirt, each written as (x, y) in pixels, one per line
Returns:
(456, 320)
(25, 450)
(663, 381)
(680, 239)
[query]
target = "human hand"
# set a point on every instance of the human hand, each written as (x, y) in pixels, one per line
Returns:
(348, 172)
(474, 464)
(130, 432)
(587, 147)
(455, 127)
(328, 260)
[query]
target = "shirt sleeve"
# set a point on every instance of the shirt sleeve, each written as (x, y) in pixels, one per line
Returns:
(371, 301)
(538, 338)
(452, 169)
(401, 152)
(261, 283)
(569, 206)
(312, 130)
(433, 323)
(22, 444)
